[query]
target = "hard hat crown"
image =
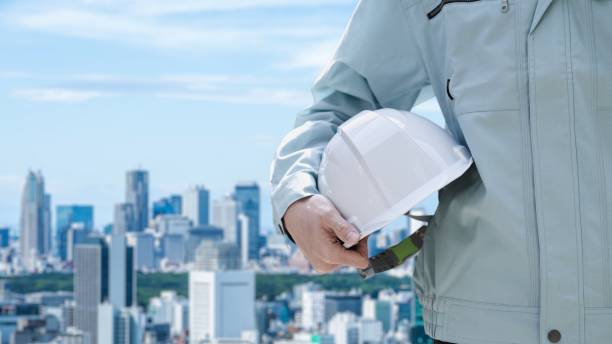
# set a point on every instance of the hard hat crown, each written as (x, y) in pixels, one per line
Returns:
(382, 163)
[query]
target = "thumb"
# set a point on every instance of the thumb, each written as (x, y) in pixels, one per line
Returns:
(343, 229)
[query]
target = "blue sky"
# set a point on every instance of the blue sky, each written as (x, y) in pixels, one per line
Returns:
(196, 92)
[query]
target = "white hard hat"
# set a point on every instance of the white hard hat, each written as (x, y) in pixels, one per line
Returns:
(382, 163)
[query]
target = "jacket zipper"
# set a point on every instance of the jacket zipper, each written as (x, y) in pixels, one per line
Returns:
(438, 8)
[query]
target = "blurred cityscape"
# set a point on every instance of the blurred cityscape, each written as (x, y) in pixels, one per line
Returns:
(186, 268)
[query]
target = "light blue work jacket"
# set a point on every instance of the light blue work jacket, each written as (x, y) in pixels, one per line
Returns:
(519, 249)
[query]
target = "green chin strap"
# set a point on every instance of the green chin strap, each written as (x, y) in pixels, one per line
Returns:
(396, 255)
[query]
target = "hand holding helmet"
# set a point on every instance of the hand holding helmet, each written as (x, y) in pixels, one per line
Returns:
(320, 231)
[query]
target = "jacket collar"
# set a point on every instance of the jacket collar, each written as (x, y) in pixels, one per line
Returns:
(540, 10)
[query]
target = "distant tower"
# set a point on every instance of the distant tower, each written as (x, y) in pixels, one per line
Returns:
(137, 194)
(225, 216)
(125, 218)
(172, 205)
(91, 284)
(196, 205)
(35, 238)
(122, 290)
(65, 217)
(213, 256)
(247, 196)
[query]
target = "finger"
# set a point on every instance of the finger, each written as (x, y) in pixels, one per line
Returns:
(337, 254)
(362, 247)
(321, 266)
(342, 228)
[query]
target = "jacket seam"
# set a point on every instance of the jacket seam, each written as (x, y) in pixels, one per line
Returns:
(575, 169)
(603, 198)
(477, 304)
(527, 161)
(535, 146)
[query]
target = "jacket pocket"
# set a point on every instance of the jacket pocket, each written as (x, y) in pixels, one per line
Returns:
(436, 10)
(481, 45)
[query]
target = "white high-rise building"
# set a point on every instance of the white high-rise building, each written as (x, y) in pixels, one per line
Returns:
(313, 309)
(225, 216)
(196, 205)
(243, 225)
(344, 327)
(173, 224)
(120, 325)
(171, 309)
(144, 250)
(370, 331)
(35, 222)
(221, 304)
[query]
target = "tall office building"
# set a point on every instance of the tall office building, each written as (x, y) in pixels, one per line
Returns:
(174, 248)
(221, 304)
(125, 218)
(243, 229)
(75, 235)
(381, 310)
(199, 234)
(91, 284)
(122, 290)
(247, 196)
(225, 215)
(212, 256)
(342, 302)
(137, 194)
(35, 236)
(120, 325)
(171, 205)
(65, 217)
(144, 250)
(173, 224)
(196, 205)
(344, 326)
(5, 237)
(313, 309)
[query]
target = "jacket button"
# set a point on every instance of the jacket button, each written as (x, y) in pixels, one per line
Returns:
(554, 336)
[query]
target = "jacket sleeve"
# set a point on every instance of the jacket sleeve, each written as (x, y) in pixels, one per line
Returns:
(376, 65)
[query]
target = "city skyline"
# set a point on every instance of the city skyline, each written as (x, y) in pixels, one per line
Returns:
(200, 110)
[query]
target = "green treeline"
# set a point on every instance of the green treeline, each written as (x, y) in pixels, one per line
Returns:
(268, 285)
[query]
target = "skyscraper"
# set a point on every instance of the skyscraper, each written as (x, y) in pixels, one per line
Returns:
(35, 234)
(122, 290)
(172, 205)
(247, 197)
(199, 234)
(196, 205)
(65, 217)
(225, 216)
(91, 284)
(137, 194)
(119, 325)
(5, 237)
(144, 250)
(213, 256)
(221, 304)
(125, 218)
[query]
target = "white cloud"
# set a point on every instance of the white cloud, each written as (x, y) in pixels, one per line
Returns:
(311, 56)
(223, 88)
(133, 24)
(255, 97)
(57, 95)
(12, 74)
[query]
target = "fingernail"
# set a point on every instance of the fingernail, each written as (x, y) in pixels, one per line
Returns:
(353, 237)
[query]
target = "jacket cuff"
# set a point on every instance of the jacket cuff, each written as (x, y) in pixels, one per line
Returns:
(291, 189)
